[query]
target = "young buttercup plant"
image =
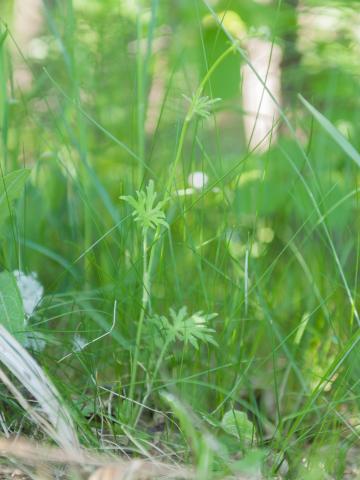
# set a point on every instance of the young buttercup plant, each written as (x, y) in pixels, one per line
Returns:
(178, 326)
(150, 216)
(200, 105)
(146, 212)
(184, 327)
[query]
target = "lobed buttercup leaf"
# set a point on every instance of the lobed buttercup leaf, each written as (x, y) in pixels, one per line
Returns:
(184, 327)
(147, 212)
(201, 106)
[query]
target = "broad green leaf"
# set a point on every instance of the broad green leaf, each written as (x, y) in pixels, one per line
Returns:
(334, 133)
(236, 423)
(11, 307)
(251, 463)
(11, 187)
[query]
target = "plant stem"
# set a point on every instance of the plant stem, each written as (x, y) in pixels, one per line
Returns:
(147, 266)
(179, 150)
(144, 303)
(189, 114)
(157, 367)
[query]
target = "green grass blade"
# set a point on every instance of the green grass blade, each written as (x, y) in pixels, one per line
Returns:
(11, 187)
(334, 133)
(11, 308)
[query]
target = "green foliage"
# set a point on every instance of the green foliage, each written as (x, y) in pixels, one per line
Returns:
(334, 133)
(271, 242)
(203, 443)
(184, 327)
(11, 187)
(11, 308)
(236, 423)
(252, 463)
(3, 35)
(200, 106)
(148, 214)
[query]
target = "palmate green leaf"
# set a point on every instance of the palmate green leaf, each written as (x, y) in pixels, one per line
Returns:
(192, 329)
(184, 327)
(11, 187)
(236, 423)
(11, 308)
(146, 212)
(200, 105)
(334, 133)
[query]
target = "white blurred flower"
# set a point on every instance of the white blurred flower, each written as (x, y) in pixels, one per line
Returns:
(198, 180)
(31, 291)
(34, 341)
(38, 49)
(79, 343)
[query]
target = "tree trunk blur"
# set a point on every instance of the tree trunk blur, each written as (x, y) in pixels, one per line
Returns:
(279, 69)
(291, 55)
(27, 24)
(261, 113)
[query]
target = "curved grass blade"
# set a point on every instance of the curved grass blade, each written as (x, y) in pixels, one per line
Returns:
(334, 133)
(11, 187)
(11, 308)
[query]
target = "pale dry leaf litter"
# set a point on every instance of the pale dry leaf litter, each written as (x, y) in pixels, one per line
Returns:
(92, 465)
